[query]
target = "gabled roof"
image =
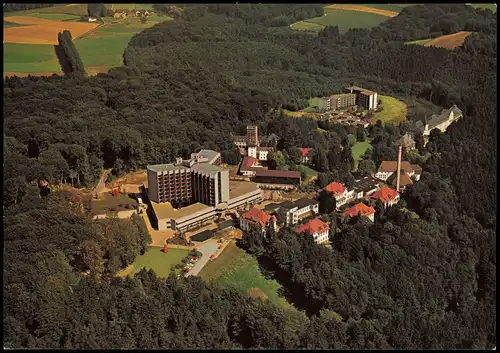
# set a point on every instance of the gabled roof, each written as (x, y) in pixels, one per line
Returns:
(361, 209)
(304, 151)
(405, 180)
(391, 166)
(248, 162)
(314, 226)
(385, 194)
(258, 216)
(261, 172)
(335, 188)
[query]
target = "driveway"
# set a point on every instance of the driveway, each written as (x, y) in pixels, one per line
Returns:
(207, 249)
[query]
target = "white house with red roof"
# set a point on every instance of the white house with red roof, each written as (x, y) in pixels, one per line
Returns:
(316, 228)
(340, 192)
(256, 217)
(362, 210)
(387, 196)
(305, 154)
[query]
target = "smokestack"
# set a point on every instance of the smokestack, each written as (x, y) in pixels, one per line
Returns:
(398, 176)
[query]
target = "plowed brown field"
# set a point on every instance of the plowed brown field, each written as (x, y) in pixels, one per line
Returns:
(41, 31)
(449, 41)
(364, 9)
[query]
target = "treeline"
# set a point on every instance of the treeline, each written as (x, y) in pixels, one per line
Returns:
(433, 20)
(24, 7)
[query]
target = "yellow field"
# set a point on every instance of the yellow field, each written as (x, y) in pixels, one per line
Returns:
(449, 41)
(364, 9)
(41, 31)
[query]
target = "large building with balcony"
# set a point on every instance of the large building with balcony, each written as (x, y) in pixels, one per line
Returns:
(187, 193)
(198, 179)
(340, 101)
(365, 98)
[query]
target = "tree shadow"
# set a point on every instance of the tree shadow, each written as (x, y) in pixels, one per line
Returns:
(63, 59)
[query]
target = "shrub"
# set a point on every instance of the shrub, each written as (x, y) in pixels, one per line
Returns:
(184, 260)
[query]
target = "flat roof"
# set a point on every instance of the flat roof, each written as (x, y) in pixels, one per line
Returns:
(304, 202)
(278, 174)
(165, 210)
(165, 167)
(240, 188)
(365, 184)
(210, 154)
(206, 168)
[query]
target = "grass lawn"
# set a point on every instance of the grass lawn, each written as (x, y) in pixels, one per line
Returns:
(420, 41)
(306, 26)
(358, 150)
(107, 201)
(154, 258)
(315, 104)
(394, 111)
(309, 172)
(235, 268)
(345, 19)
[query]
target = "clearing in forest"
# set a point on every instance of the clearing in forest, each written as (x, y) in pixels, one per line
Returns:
(358, 149)
(366, 9)
(344, 19)
(154, 258)
(235, 268)
(419, 42)
(393, 110)
(449, 41)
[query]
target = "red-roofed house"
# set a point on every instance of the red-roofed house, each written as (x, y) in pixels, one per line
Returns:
(388, 196)
(361, 209)
(305, 154)
(256, 217)
(340, 192)
(249, 165)
(317, 229)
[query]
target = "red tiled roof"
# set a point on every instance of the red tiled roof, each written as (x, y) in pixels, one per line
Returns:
(314, 226)
(248, 162)
(305, 151)
(361, 209)
(385, 194)
(277, 173)
(257, 215)
(335, 188)
(391, 166)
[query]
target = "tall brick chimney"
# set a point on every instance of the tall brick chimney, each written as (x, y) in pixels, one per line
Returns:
(398, 176)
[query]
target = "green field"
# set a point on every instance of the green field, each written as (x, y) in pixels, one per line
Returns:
(154, 258)
(56, 16)
(388, 7)
(100, 50)
(420, 41)
(11, 24)
(77, 10)
(358, 149)
(345, 19)
(235, 268)
(492, 7)
(394, 111)
(130, 6)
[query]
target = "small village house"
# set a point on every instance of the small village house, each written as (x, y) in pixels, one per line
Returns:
(387, 196)
(340, 192)
(305, 154)
(256, 217)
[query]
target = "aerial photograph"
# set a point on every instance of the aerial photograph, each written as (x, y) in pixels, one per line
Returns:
(249, 176)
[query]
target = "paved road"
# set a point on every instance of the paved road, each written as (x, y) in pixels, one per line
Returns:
(207, 249)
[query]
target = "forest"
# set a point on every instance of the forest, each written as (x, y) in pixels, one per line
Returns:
(422, 276)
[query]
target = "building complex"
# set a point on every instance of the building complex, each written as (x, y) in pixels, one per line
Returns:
(437, 121)
(188, 192)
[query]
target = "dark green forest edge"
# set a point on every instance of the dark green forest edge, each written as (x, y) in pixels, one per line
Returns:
(412, 280)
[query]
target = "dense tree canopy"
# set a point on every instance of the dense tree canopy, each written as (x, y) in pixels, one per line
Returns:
(421, 276)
